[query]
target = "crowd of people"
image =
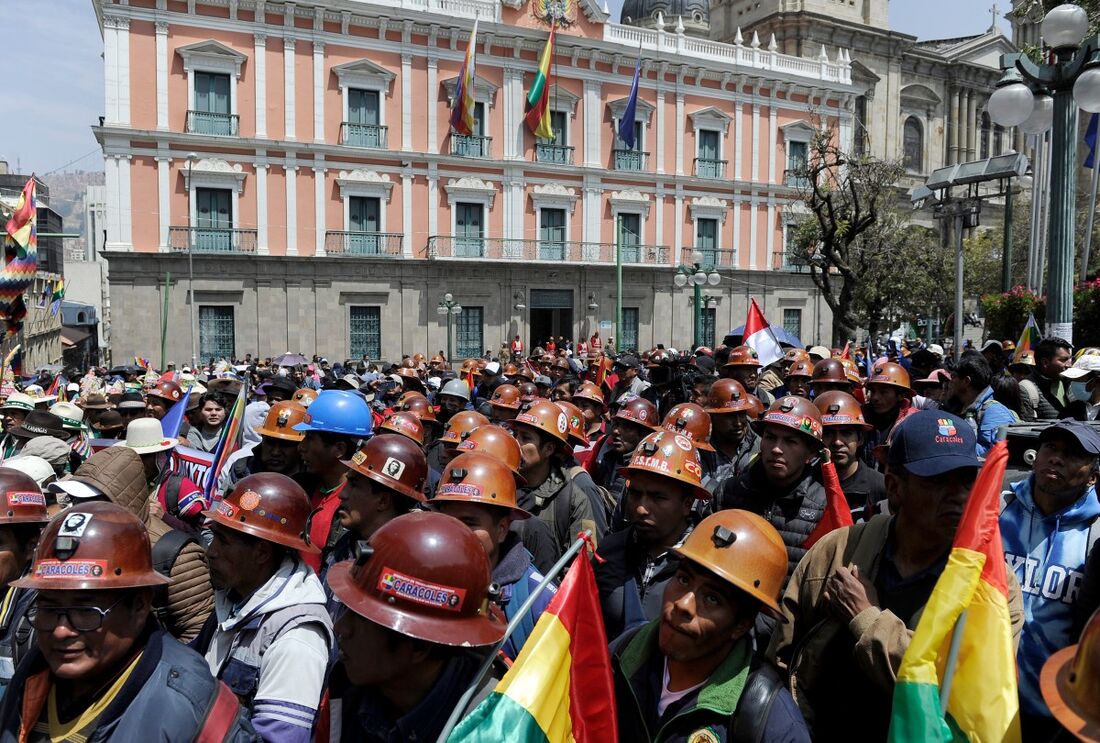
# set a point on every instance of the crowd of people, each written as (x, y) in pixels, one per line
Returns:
(342, 575)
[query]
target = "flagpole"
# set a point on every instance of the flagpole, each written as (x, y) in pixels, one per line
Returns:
(952, 661)
(1092, 215)
(475, 684)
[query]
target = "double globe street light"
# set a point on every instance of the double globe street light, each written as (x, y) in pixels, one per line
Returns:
(696, 275)
(1037, 97)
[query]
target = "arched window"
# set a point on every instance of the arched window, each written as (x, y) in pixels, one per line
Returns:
(998, 140)
(913, 142)
(986, 126)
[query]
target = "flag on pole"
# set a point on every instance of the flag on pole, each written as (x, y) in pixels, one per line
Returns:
(847, 352)
(1029, 338)
(143, 362)
(626, 124)
(58, 295)
(538, 97)
(21, 256)
(22, 227)
(560, 688)
(228, 442)
(462, 108)
(971, 599)
(837, 513)
(14, 360)
(759, 337)
(1090, 140)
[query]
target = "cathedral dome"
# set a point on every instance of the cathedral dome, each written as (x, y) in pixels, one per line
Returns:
(695, 14)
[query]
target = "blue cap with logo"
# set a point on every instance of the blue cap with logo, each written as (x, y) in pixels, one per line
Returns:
(1082, 433)
(931, 442)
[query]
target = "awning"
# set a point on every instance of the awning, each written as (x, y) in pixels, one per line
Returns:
(72, 336)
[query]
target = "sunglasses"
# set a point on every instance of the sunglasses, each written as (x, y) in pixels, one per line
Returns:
(80, 618)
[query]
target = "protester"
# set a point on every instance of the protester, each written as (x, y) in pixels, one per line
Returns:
(276, 452)
(160, 399)
(970, 395)
(176, 494)
(734, 441)
(1052, 358)
(633, 421)
(843, 429)
(888, 403)
(213, 408)
(1069, 683)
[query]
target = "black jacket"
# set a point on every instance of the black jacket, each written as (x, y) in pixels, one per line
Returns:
(626, 597)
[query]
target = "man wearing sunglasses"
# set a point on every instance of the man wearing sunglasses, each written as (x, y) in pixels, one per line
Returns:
(103, 669)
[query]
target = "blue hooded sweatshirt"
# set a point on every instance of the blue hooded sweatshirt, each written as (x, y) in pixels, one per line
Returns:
(1047, 553)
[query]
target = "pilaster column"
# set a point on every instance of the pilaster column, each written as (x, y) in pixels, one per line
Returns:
(755, 174)
(660, 132)
(164, 209)
(738, 141)
(261, 208)
(319, 208)
(592, 119)
(291, 208)
(953, 130)
(432, 106)
(679, 134)
(288, 88)
(259, 60)
(773, 135)
(162, 77)
(319, 94)
(971, 124)
(406, 102)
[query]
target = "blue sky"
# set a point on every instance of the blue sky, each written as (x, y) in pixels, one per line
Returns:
(60, 51)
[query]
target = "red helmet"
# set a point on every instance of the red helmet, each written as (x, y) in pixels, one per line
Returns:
(840, 409)
(23, 502)
(692, 421)
(267, 506)
(460, 423)
(743, 356)
(479, 478)
(590, 391)
(794, 355)
(393, 461)
(728, 396)
(639, 410)
(506, 396)
(424, 575)
(166, 390)
(405, 424)
(498, 443)
(422, 409)
(801, 369)
(829, 370)
(528, 392)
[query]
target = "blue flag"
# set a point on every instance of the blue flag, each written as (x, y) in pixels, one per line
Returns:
(1090, 140)
(626, 124)
(173, 419)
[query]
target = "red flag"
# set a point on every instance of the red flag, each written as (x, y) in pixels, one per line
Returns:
(837, 514)
(847, 352)
(759, 337)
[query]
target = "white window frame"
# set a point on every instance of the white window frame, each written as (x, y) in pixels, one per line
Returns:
(365, 75)
(713, 120)
(471, 190)
(369, 184)
(708, 207)
(214, 57)
(485, 92)
(643, 112)
(554, 196)
(213, 173)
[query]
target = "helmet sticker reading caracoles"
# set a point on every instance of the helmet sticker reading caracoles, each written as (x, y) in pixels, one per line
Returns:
(396, 583)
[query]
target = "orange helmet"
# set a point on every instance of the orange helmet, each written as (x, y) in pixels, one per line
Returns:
(405, 397)
(590, 391)
(405, 424)
(692, 421)
(304, 396)
(267, 506)
(422, 409)
(460, 423)
(281, 419)
(506, 396)
(497, 443)
(793, 412)
(424, 575)
(470, 366)
(728, 396)
(757, 407)
(393, 461)
(93, 546)
(545, 416)
(410, 378)
(166, 390)
(510, 370)
(479, 478)
(1070, 683)
(840, 409)
(419, 359)
(669, 455)
(528, 392)
(639, 410)
(801, 369)
(526, 373)
(829, 370)
(22, 500)
(890, 374)
(741, 548)
(743, 356)
(437, 360)
(851, 370)
(575, 417)
(794, 355)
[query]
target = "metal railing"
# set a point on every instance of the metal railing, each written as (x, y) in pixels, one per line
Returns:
(212, 240)
(471, 145)
(217, 124)
(505, 249)
(705, 168)
(710, 257)
(546, 152)
(381, 244)
(364, 135)
(629, 159)
(784, 261)
(796, 179)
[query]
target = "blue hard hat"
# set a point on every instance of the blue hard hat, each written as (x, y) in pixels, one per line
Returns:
(338, 411)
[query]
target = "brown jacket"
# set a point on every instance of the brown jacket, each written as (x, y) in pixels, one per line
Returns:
(812, 646)
(119, 473)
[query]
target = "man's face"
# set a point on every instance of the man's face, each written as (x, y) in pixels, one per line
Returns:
(625, 435)
(279, 455)
(372, 655)
(820, 388)
(1062, 467)
(746, 375)
(1052, 367)
(13, 418)
(785, 453)
(14, 556)
(798, 386)
(488, 523)
(730, 427)
(592, 410)
(275, 395)
(156, 407)
(96, 654)
(316, 455)
(129, 414)
(229, 550)
(533, 449)
(626, 372)
(657, 507)
(700, 619)
(449, 405)
(882, 398)
(843, 444)
(360, 507)
(931, 506)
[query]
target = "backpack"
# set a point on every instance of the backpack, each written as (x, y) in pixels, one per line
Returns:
(607, 501)
(165, 553)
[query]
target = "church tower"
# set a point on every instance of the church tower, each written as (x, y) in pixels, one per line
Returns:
(695, 14)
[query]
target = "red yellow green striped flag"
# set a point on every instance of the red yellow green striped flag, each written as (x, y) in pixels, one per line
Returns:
(1029, 338)
(538, 97)
(972, 594)
(559, 690)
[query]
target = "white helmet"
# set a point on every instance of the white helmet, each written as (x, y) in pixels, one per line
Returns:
(456, 388)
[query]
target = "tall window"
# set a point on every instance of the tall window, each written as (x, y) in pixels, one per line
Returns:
(792, 322)
(859, 143)
(211, 114)
(797, 158)
(629, 231)
(364, 222)
(552, 234)
(364, 112)
(706, 242)
(629, 330)
(913, 143)
(469, 333)
(630, 158)
(559, 123)
(213, 219)
(708, 164)
(366, 333)
(474, 145)
(709, 317)
(469, 230)
(556, 150)
(216, 333)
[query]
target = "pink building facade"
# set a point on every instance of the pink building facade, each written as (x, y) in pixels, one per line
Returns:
(297, 161)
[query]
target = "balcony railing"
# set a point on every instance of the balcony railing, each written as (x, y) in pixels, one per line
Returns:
(783, 261)
(471, 145)
(629, 159)
(212, 240)
(796, 179)
(364, 135)
(558, 154)
(705, 168)
(207, 122)
(709, 257)
(381, 244)
(502, 249)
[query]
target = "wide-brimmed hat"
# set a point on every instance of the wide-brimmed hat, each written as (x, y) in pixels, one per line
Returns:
(94, 402)
(131, 401)
(145, 436)
(111, 420)
(72, 417)
(40, 423)
(18, 401)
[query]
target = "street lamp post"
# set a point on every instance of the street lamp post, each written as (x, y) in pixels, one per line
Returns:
(448, 306)
(697, 276)
(1052, 93)
(191, 158)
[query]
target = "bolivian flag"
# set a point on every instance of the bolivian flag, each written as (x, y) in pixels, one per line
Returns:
(972, 591)
(559, 690)
(538, 97)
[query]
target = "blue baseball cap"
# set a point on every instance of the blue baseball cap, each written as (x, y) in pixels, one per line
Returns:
(1082, 433)
(931, 442)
